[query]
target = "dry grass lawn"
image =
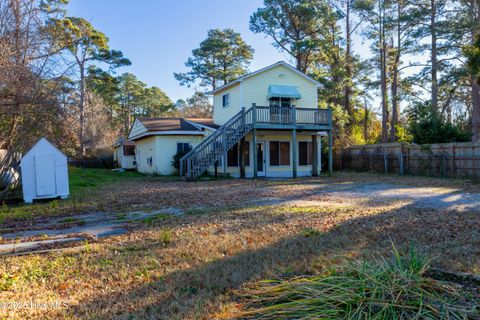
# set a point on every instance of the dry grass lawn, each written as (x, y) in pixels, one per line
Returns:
(234, 232)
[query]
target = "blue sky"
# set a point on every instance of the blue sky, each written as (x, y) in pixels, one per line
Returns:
(159, 35)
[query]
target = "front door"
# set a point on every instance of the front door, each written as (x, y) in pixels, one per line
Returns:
(261, 159)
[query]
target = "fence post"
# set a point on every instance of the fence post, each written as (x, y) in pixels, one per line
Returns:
(400, 162)
(454, 169)
(443, 165)
(385, 162)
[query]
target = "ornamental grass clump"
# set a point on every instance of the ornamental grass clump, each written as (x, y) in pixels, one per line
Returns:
(395, 288)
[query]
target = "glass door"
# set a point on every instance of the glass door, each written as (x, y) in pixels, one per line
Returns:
(280, 110)
(261, 159)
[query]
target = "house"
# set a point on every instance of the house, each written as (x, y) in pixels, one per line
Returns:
(44, 172)
(157, 140)
(265, 124)
(270, 126)
(124, 154)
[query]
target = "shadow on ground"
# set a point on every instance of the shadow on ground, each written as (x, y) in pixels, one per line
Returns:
(450, 237)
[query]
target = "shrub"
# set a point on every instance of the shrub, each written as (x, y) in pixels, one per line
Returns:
(384, 289)
(428, 126)
(177, 157)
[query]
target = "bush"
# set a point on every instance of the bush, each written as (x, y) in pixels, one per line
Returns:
(384, 289)
(177, 157)
(427, 126)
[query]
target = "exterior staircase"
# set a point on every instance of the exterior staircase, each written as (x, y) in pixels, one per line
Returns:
(212, 148)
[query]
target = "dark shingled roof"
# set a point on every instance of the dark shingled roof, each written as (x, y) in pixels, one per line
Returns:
(204, 122)
(175, 124)
(167, 124)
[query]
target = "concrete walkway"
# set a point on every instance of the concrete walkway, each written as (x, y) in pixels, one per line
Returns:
(79, 227)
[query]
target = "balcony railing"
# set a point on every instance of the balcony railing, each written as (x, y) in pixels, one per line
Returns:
(291, 116)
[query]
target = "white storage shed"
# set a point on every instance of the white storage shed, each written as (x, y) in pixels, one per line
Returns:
(44, 172)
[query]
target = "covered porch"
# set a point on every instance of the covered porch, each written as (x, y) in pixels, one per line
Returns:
(283, 142)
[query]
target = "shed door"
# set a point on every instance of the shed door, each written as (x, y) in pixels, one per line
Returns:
(45, 174)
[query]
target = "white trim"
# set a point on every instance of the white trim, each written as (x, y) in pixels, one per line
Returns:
(290, 154)
(133, 125)
(49, 143)
(228, 105)
(264, 172)
(169, 133)
(279, 63)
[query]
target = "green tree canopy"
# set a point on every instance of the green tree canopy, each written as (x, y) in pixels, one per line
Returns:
(298, 27)
(87, 45)
(222, 57)
(473, 54)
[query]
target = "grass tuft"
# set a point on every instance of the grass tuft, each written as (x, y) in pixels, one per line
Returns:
(156, 218)
(384, 289)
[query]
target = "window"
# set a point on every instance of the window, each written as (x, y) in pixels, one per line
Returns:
(233, 155)
(305, 153)
(279, 153)
(183, 147)
(226, 100)
(281, 102)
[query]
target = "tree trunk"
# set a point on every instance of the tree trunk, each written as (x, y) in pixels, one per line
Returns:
(348, 63)
(475, 85)
(433, 32)
(475, 109)
(365, 121)
(395, 75)
(81, 108)
(383, 74)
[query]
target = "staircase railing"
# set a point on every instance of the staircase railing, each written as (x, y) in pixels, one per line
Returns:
(211, 149)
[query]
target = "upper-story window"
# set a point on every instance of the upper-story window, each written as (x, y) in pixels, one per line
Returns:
(226, 100)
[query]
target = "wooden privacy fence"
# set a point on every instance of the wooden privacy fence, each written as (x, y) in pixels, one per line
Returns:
(447, 160)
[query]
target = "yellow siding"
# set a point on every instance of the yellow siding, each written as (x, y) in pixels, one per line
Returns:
(144, 149)
(255, 90)
(161, 149)
(221, 114)
(123, 161)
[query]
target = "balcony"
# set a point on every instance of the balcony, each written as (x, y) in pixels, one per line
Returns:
(266, 117)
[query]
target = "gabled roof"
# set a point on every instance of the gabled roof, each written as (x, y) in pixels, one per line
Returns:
(249, 75)
(42, 143)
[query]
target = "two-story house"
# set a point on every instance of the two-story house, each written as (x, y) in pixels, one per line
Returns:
(265, 124)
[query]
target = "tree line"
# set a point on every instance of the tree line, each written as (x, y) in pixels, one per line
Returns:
(418, 84)
(58, 78)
